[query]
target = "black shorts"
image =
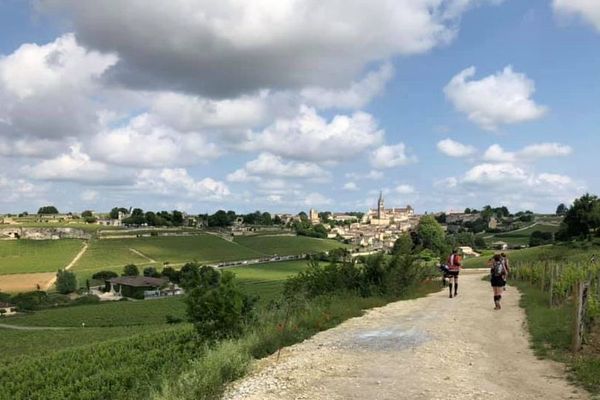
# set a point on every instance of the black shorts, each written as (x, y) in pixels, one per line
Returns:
(452, 274)
(498, 281)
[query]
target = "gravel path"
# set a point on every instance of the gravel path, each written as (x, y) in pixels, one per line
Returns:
(32, 328)
(428, 348)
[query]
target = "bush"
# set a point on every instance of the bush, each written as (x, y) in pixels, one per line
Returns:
(104, 275)
(131, 270)
(216, 305)
(151, 272)
(85, 300)
(66, 282)
(172, 319)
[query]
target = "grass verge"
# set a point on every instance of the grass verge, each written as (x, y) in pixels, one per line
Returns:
(551, 336)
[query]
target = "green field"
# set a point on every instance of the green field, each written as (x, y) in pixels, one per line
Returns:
(25, 256)
(520, 237)
(287, 245)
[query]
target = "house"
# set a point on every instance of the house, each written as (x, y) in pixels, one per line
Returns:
(468, 251)
(134, 286)
(7, 309)
(500, 245)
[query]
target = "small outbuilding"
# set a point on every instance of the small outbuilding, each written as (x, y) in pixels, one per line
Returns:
(500, 245)
(134, 286)
(7, 309)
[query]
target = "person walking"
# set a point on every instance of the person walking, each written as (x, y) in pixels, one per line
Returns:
(454, 265)
(506, 267)
(498, 279)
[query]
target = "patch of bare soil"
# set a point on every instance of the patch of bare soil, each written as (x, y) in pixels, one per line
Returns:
(14, 283)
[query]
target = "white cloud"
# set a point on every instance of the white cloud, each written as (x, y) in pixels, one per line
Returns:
(588, 10)
(496, 153)
(350, 186)
(309, 136)
(270, 165)
(541, 150)
(390, 156)
(14, 190)
(317, 199)
(144, 142)
(404, 189)
(248, 46)
(75, 166)
(175, 182)
(502, 98)
(89, 195)
(356, 96)
(372, 175)
(453, 148)
(47, 91)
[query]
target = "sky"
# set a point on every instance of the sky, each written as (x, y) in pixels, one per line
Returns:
(286, 105)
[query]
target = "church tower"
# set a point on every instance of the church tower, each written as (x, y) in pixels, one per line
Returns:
(380, 209)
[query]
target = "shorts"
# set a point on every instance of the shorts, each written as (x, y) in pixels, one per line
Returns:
(452, 274)
(498, 281)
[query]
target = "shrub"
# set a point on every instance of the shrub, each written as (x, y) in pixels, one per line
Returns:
(104, 275)
(151, 272)
(215, 304)
(131, 270)
(66, 282)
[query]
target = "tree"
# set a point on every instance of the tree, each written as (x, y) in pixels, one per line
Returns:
(480, 243)
(216, 305)
(538, 238)
(87, 213)
(171, 273)
(403, 245)
(219, 219)
(431, 236)
(177, 218)
(66, 282)
(151, 272)
(441, 218)
(561, 209)
(104, 275)
(48, 210)
(582, 219)
(114, 213)
(131, 270)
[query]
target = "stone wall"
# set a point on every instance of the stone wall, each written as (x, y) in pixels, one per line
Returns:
(43, 233)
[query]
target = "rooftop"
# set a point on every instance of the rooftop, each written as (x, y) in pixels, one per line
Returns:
(138, 281)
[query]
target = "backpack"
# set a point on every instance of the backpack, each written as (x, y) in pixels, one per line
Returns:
(498, 268)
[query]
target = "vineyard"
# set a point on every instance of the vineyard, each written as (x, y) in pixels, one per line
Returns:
(561, 287)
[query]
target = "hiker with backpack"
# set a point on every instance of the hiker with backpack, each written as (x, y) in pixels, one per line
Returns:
(498, 272)
(454, 266)
(506, 266)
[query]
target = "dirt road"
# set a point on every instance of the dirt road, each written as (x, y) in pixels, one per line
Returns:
(429, 348)
(70, 265)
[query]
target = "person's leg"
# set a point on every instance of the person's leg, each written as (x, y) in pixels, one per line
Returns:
(456, 285)
(496, 298)
(450, 284)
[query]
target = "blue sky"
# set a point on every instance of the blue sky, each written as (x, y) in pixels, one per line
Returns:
(283, 106)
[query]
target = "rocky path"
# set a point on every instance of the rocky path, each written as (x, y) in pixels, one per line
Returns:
(428, 348)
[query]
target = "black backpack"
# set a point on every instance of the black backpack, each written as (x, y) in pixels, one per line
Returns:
(498, 268)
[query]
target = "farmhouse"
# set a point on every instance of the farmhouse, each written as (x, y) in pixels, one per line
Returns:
(134, 286)
(7, 309)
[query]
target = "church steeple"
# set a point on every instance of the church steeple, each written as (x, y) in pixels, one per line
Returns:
(380, 208)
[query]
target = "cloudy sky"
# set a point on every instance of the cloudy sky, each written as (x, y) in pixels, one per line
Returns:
(283, 105)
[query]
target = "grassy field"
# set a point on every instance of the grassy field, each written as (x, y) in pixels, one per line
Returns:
(287, 245)
(521, 237)
(24, 256)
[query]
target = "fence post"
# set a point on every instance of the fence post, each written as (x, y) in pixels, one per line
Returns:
(552, 272)
(581, 293)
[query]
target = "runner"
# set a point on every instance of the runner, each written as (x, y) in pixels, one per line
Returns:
(498, 278)
(454, 265)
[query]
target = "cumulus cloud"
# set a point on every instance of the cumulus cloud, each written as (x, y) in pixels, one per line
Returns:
(317, 199)
(390, 156)
(46, 90)
(16, 190)
(496, 153)
(74, 166)
(269, 165)
(404, 189)
(145, 142)
(373, 175)
(308, 136)
(588, 10)
(174, 182)
(350, 186)
(356, 96)
(453, 148)
(502, 98)
(246, 46)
